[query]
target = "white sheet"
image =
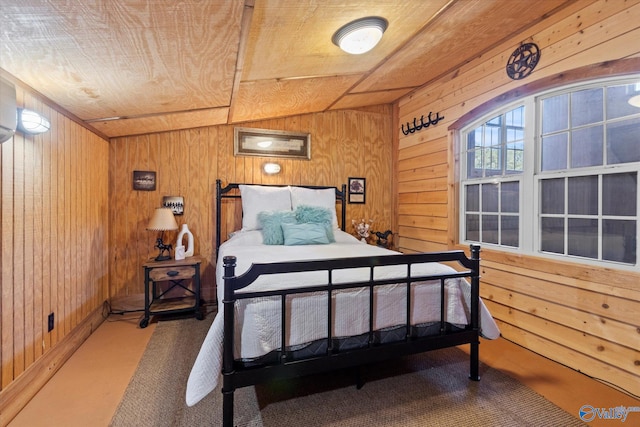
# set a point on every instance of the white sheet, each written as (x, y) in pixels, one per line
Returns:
(260, 334)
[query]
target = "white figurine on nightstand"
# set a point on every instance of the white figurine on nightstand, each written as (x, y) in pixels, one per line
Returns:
(179, 244)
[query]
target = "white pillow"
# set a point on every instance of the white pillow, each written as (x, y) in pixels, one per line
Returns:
(324, 198)
(258, 198)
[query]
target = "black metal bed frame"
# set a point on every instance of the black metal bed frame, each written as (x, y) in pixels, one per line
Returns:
(235, 375)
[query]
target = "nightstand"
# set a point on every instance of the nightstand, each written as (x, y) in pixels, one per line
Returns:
(178, 275)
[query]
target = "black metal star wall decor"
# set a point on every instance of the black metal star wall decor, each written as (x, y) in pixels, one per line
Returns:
(523, 60)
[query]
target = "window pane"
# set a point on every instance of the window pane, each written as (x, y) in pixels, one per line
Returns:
(474, 164)
(555, 113)
(552, 196)
(619, 241)
(587, 147)
(510, 197)
(473, 227)
(515, 157)
(515, 134)
(474, 138)
(492, 132)
(473, 198)
(617, 101)
(492, 160)
(586, 107)
(510, 230)
(583, 237)
(583, 195)
(620, 194)
(623, 142)
(490, 229)
(490, 197)
(554, 152)
(515, 117)
(552, 235)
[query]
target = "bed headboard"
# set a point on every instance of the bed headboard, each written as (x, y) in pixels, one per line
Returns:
(228, 192)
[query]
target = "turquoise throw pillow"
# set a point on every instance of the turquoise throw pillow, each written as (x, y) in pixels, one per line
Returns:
(306, 214)
(271, 222)
(304, 234)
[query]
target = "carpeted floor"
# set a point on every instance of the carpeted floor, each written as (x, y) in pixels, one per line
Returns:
(430, 389)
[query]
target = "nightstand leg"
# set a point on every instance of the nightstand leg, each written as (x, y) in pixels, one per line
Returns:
(145, 320)
(196, 284)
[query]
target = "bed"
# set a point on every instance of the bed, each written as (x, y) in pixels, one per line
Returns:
(298, 295)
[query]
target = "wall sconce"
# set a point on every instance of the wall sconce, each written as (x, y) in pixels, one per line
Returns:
(634, 101)
(361, 35)
(162, 220)
(271, 168)
(31, 122)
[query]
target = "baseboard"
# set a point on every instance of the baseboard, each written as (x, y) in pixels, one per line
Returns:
(19, 392)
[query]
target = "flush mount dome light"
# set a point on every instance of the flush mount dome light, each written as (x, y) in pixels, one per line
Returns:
(361, 35)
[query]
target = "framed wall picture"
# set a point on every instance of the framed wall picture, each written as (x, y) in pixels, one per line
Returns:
(144, 180)
(357, 190)
(175, 203)
(271, 143)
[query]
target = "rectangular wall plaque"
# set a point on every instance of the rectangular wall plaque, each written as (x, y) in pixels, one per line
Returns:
(271, 143)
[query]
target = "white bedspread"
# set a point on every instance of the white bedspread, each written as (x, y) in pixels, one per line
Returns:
(260, 331)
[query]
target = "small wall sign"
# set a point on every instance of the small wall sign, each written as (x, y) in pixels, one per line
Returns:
(144, 180)
(357, 190)
(523, 60)
(175, 203)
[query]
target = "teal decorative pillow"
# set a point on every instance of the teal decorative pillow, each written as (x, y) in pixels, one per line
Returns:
(306, 214)
(271, 222)
(304, 234)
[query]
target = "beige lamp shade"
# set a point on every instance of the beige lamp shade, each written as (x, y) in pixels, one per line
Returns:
(162, 220)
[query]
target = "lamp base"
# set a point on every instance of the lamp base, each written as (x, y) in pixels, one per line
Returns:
(165, 250)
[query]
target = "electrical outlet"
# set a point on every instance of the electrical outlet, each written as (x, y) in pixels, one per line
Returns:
(51, 324)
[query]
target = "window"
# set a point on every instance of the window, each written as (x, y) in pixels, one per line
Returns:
(556, 174)
(495, 149)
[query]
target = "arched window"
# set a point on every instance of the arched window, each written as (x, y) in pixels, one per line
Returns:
(556, 174)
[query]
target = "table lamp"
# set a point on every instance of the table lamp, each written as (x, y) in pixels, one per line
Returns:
(162, 220)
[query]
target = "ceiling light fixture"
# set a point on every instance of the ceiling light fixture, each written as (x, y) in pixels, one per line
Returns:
(361, 35)
(31, 122)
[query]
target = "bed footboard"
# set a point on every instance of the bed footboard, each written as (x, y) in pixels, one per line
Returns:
(235, 375)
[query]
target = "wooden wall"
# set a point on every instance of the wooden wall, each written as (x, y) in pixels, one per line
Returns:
(53, 251)
(584, 317)
(345, 143)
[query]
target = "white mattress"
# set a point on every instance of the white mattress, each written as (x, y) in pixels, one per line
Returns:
(258, 322)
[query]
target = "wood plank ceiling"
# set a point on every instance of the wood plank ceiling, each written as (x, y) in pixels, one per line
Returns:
(140, 66)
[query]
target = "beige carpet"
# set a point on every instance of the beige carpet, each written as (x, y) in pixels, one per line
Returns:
(430, 389)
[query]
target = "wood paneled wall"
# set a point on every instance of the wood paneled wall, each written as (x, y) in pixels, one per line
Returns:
(53, 251)
(584, 317)
(345, 143)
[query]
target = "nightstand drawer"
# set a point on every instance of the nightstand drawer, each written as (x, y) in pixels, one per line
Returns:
(172, 273)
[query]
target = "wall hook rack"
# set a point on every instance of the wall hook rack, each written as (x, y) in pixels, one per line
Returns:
(422, 125)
